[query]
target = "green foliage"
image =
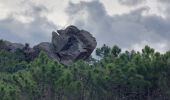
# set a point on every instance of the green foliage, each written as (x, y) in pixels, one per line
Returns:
(10, 63)
(1, 42)
(128, 75)
(103, 51)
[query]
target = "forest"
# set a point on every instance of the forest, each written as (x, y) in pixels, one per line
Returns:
(116, 75)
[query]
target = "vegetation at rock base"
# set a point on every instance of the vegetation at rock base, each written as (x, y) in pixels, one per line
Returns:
(128, 75)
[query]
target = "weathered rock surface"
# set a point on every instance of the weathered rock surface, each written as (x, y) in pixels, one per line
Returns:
(66, 46)
(11, 47)
(48, 48)
(72, 44)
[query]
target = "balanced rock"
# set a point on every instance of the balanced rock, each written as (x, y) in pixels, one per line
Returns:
(78, 43)
(69, 45)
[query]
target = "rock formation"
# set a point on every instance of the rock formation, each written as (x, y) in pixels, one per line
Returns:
(66, 46)
(11, 47)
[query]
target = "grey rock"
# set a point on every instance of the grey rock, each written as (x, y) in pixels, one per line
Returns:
(73, 44)
(47, 48)
(58, 41)
(11, 47)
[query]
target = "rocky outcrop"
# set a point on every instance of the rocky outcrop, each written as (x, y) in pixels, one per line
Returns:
(67, 46)
(48, 48)
(11, 47)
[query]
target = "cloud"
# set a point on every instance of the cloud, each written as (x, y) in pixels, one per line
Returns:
(16, 29)
(165, 7)
(33, 21)
(131, 2)
(164, 1)
(125, 30)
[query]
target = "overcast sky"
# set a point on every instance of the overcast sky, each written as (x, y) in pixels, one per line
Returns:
(130, 24)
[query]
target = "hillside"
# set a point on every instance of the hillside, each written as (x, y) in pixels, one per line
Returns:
(117, 75)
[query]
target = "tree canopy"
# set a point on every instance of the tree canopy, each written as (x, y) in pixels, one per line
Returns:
(129, 75)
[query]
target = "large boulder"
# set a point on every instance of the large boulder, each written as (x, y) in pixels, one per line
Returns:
(73, 44)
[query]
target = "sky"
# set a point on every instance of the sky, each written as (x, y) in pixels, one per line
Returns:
(130, 24)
